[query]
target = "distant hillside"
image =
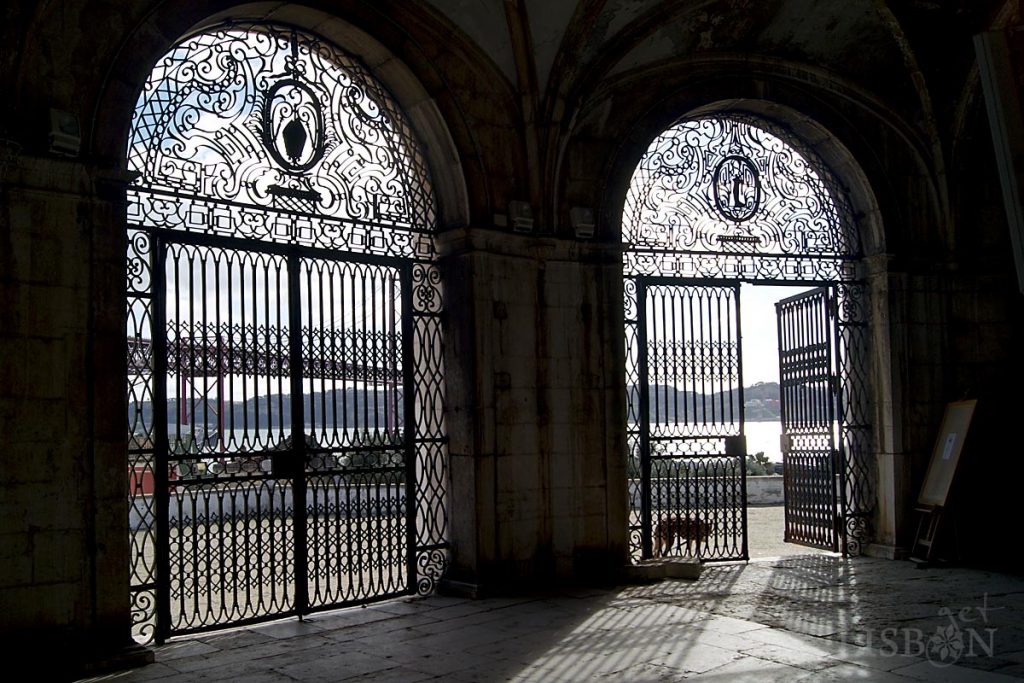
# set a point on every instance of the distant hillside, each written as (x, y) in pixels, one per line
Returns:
(352, 407)
(762, 391)
(761, 402)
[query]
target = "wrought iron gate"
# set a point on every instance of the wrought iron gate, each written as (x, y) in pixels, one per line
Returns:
(812, 453)
(730, 196)
(692, 472)
(253, 521)
(287, 447)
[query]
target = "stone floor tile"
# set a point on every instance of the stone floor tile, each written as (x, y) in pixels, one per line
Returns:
(405, 606)
(152, 672)
(336, 668)
(752, 670)
(252, 653)
(801, 659)
(794, 641)
(375, 629)
(645, 673)
(183, 648)
(398, 674)
(729, 641)
(1015, 670)
(443, 663)
(524, 649)
(492, 672)
(234, 638)
(360, 638)
(787, 620)
(572, 669)
(695, 657)
(229, 676)
(730, 625)
(289, 629)
(349, 617)
(666, 613)
(466, 621)
(873, 658)
(927, 671)
(844, 672)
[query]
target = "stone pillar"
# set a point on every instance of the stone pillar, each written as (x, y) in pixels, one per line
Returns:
(887, 292)
(63, 508)
(536, 411)
(913, 365)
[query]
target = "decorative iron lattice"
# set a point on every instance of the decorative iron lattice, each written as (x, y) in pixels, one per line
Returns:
(689, 476)
(280, 278)
(730, 187)
(249, 130)
(855, 423)
(807, 338)
(734, 197)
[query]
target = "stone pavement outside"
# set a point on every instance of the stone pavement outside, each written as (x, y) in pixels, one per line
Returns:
(798, 618)
(765, 530)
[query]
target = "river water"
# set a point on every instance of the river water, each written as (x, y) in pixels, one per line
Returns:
(764, 436)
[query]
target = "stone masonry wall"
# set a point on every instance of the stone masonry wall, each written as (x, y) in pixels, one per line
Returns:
(546, 485)
(62, 476)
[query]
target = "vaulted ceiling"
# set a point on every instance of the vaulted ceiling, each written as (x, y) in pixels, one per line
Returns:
(888, 43)
(521, 83)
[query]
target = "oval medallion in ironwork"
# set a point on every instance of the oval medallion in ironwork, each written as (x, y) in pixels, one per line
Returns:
(737, 188)
(293, 125)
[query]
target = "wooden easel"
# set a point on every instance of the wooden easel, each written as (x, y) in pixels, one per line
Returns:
(927, 530)
(931, 502)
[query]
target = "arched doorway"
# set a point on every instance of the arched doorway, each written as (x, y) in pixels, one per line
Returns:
(718, 200)
(280, 283)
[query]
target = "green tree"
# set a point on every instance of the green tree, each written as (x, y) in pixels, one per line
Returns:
(758, 465)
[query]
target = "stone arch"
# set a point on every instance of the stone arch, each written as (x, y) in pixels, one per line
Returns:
(833, 150)
(671, 229)
(836, 190)
(330, 201)
(852, 130)
(419, 92)
(882, 158)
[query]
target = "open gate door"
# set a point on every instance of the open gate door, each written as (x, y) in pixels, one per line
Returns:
(692, 449)
(812, 463)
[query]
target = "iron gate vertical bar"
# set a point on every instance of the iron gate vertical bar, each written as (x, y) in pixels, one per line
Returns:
(743, 412)
(646, 545)
(160, 440)
(409, 430)
(297, 458)
(784, 438)
(837, 393)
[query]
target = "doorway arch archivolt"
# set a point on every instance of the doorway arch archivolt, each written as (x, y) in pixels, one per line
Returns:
(846, 280)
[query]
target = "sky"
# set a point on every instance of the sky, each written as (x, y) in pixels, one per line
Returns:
(760, 332)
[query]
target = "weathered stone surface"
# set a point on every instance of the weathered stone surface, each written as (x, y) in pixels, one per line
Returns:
(552, 105)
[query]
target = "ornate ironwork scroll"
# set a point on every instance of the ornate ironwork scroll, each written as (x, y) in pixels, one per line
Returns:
(736, 197)
(280, 279)
(855, 422)
(264, 132)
